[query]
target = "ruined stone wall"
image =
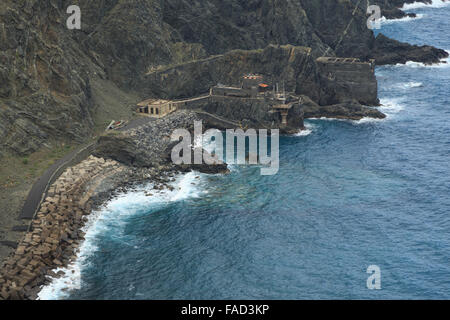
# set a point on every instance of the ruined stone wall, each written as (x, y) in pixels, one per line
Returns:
(227, 91)
(241, 109)
(193, 103)
(343, 81)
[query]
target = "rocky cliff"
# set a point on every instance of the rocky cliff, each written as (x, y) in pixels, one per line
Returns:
(48, 73)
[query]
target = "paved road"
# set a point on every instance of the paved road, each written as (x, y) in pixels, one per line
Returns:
(137, 123)
(39, 188)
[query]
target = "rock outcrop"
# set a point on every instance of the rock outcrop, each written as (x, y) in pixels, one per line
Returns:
(47, 71)
(150, 145)
(389, 51)
(294, 67)
(347, 79)
(146, 145)
(346, 110)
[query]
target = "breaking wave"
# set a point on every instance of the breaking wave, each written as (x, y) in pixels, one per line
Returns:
(433, 4)
(306, 132)
(445, 63)
(111, 220)
(391, 106)
(384, 20)
(408, 85)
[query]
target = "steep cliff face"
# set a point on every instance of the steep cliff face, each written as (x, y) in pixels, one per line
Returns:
(223, 25)
(47, 71)
(293, 65)
(44, 89)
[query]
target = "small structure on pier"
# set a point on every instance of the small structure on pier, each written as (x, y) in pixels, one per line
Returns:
(283, 109)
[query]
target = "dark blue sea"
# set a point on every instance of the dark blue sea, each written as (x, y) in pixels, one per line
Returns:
(349, 194)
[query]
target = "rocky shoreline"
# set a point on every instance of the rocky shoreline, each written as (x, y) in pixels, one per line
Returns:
(103, 66)
(123, 160)
(56, 232)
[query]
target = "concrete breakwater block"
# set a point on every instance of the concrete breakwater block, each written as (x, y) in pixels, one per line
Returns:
(56, 233)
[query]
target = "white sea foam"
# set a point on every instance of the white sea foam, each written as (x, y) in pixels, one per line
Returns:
(391, 106)
(366, 120)
(112, 219)
(413, 84)
(384, 20)
(360, 121)
(309, 127)
(408, 85)
(433, 4)
(328, 119)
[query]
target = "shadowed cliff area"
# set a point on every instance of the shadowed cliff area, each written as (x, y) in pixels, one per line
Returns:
(55, 82)
(60, 87)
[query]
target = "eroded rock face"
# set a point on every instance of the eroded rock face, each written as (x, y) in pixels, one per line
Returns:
(46, 70)
(295, 66)
(147, 145)
(44, 90)
(346, 110)
(150, 145)
(230, 113)
(347, 79)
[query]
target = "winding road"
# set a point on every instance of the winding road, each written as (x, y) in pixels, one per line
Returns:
(40, 187)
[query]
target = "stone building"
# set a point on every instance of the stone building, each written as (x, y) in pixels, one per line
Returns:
(156, 108)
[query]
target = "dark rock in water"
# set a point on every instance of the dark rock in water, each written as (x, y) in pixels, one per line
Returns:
(347, 110)
(204, 168)
(397, 14)
(218, 167)
(389, 51)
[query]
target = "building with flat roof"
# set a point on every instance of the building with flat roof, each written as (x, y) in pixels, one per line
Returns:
(156, 108)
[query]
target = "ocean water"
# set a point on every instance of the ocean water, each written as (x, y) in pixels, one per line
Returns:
(349, 194)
